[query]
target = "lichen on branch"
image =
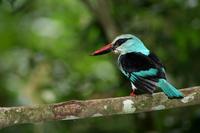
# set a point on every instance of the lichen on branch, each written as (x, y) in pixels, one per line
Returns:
(77, 109)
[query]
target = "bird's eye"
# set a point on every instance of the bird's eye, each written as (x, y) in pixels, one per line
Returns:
(120, 42)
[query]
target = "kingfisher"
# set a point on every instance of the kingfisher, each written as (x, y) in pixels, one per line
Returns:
(142, 68)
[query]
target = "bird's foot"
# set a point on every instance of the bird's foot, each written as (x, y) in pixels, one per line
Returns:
(132, 93)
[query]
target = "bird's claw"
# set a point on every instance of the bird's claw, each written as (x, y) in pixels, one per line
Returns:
(132, 94)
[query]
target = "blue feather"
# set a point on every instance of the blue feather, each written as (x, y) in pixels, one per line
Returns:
(144, 73)
(169, 90)
(133, 45)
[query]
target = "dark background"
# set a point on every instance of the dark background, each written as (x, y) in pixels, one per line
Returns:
(44, 58)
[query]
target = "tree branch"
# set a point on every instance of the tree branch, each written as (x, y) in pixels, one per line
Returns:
(95, 108)
(101, 10)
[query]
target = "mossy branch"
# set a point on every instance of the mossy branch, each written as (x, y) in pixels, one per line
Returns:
(95, 108)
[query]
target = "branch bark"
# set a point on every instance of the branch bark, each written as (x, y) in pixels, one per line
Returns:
(95, 108)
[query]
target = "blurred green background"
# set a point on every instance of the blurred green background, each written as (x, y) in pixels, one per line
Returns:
(44, 58)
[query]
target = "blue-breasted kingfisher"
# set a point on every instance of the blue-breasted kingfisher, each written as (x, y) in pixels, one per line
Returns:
(142, 67)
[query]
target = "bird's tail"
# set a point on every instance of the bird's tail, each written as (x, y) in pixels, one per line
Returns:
(169, 90)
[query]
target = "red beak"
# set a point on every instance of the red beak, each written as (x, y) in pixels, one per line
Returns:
(105, 49)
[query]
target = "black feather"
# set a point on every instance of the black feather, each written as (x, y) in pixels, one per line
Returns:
(136, 62)
(120, 42)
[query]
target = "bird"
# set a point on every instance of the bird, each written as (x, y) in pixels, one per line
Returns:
(142, 67)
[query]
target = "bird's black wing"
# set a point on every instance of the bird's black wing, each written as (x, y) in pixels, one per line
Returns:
(155, 59)
(141, 70)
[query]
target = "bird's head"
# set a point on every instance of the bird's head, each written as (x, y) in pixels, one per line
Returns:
(123, 44)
